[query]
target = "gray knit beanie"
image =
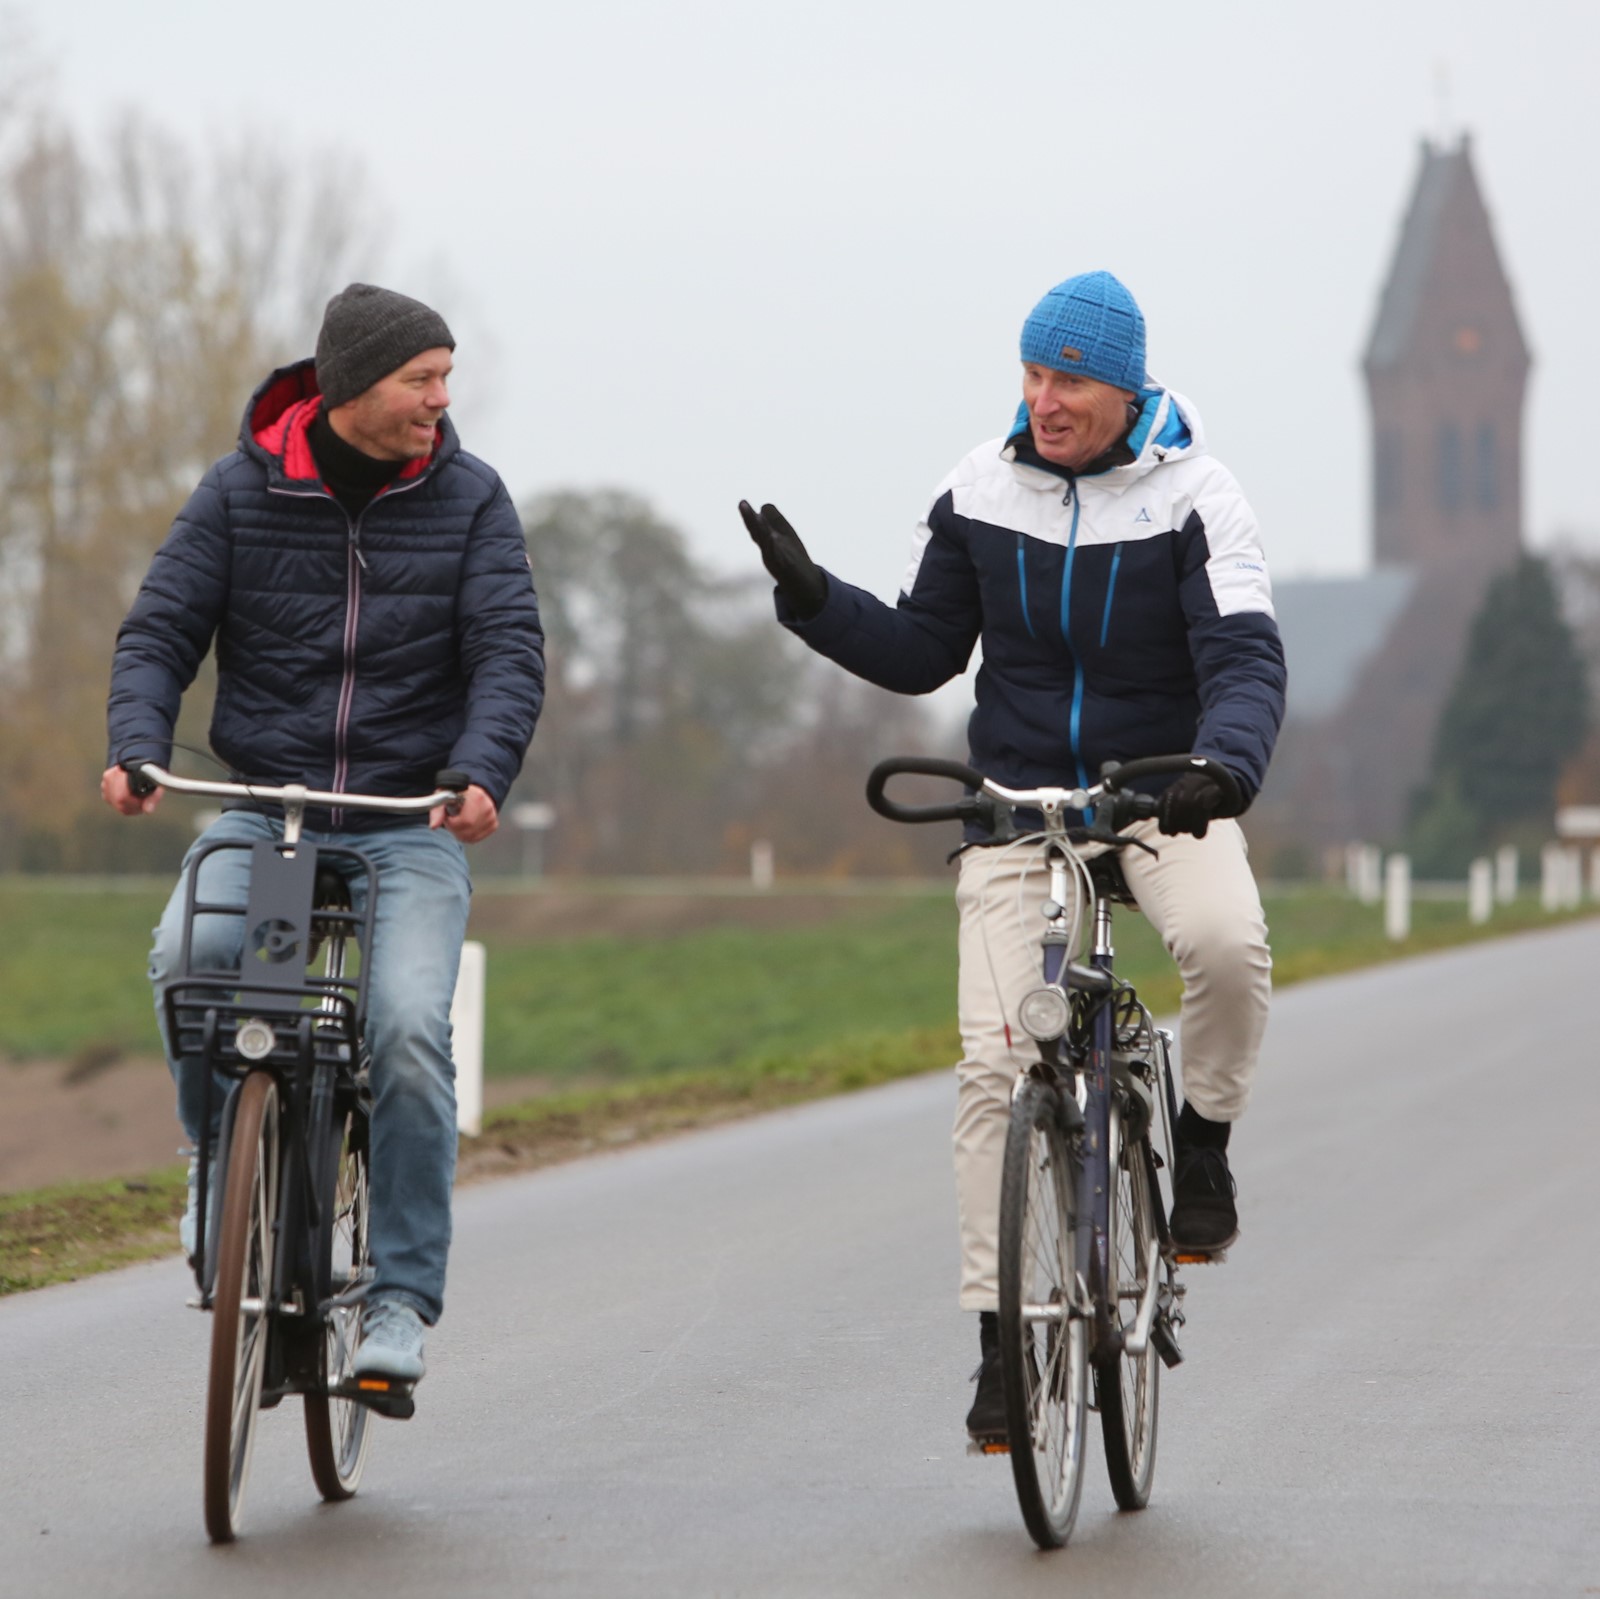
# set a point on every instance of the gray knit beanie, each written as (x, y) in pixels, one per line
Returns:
(367, 333)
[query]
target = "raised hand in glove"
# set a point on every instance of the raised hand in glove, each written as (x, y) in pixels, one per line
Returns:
(1189, 804)
(802, 583)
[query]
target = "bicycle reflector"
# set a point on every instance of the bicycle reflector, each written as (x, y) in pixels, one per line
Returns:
(255, 1040)
(1044, 1014)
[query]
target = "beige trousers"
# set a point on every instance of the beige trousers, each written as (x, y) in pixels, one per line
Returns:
(1201, 898)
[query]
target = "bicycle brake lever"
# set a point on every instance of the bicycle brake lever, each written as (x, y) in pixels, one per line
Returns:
(1103, 835)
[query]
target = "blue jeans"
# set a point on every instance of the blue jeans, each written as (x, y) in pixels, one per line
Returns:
(423, 898)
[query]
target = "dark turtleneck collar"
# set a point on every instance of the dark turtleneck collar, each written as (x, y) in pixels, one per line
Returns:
(354, 478)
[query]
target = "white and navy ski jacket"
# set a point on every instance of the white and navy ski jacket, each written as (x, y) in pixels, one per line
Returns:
(1122, 614)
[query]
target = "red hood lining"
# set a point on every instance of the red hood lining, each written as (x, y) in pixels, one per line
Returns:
(281, 425)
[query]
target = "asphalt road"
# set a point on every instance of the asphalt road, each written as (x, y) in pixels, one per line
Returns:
(730, 1364)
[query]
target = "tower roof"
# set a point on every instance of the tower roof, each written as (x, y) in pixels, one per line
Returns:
(1446, 217)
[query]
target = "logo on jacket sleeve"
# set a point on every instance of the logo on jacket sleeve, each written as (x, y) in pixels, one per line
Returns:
(1143, 516)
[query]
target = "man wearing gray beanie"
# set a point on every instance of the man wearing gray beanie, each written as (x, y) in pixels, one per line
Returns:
(366, 586)
(1112, 571)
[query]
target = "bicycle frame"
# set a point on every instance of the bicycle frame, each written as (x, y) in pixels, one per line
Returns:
(208, 1010)
(272, 1012)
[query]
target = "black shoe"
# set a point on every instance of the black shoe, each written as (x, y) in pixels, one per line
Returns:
(1204, 1217)
(986, 1421)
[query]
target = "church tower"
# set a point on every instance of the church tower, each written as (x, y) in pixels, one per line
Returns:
(1446, 371)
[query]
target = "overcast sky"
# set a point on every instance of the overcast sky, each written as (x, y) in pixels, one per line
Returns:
(721, 248)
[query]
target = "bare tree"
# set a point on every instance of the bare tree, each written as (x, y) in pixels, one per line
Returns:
(682, 723)
(143, 293)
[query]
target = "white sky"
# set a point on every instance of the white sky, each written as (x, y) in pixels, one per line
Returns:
(722, 248)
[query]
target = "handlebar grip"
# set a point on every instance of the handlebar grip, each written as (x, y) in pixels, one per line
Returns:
(140, 786)
(451, 778)
(1128, 808)
(961, 810)
(1118, 775)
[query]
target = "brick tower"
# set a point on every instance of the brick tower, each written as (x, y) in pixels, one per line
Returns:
(1446, 371)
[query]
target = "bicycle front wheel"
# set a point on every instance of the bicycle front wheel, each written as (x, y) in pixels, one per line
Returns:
(241, 1322)
(1128, 1385)
(1043, 1337)
(337, 1430)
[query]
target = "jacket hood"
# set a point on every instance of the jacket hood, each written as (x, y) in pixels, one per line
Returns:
(276, 424)
(1167, 428)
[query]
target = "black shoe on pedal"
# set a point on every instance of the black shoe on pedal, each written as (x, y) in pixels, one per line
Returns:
(1205, 1219)
(986, 1421)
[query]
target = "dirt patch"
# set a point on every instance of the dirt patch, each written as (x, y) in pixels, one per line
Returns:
(62, 1123)
(68, 1121)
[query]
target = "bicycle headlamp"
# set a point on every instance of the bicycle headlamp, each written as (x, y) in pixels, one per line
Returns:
(1044, 1014)
(255, 1040)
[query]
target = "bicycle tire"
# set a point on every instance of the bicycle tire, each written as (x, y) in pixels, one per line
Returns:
(338, 1430)
(1043, 1338)
(1128, 1386)
(241, 1320)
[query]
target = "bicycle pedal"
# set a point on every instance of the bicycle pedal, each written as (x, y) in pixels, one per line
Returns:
(1214, 1257)
(988, 1446)
(1166, 1344)
(382, 1394)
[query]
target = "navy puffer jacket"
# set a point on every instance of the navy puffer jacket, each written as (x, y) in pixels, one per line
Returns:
(1122, 614)
(357, 656)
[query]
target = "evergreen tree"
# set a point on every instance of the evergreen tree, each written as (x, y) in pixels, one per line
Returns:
(1518, 712)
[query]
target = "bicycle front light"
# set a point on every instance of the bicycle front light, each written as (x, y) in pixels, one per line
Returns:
(255, 1040)
(1044, 1014)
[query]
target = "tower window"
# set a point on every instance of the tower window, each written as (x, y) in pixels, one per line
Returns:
(1451, 475)
(1486, 478)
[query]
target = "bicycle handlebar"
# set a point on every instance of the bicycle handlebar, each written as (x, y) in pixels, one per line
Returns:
(144, 777)
(961, 810)
(1128, 805)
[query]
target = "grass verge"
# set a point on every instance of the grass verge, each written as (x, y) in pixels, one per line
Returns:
(57, 1234)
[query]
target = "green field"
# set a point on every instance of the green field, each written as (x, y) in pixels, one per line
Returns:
(601, 1009)
(725, 1005)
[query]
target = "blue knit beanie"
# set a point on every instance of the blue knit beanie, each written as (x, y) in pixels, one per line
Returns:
(1089, 324)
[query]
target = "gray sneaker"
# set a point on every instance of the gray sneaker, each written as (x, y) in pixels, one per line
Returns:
(391, 1342)
(189, 1226)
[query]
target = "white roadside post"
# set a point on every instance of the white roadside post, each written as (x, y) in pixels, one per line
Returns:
(1352, 870)
(1505, 873)
(466, 1029)
(761, 865)
(1573, 897)
(533, 819)
(1397, 897)
(1580, 825)
(1480, 891)
(1364, 872)
(1551, 859)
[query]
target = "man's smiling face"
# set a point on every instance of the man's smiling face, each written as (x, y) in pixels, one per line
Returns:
(397, 419)
(1074, 419)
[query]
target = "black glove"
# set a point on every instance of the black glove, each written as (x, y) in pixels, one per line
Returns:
(802, 583)
(1188, 805)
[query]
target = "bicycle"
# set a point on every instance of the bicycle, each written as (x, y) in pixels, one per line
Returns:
(1088, 1280)
(284, 1266)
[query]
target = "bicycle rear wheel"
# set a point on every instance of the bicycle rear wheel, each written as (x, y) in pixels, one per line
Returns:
(1128, 1386)
(1043, 1339)
(337, 1429)
(241, 1321)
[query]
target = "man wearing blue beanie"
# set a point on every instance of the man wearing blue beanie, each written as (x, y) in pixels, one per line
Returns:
(1112, 571)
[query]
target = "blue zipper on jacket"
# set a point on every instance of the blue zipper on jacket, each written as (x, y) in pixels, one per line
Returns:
(1022, 585)
(1111, 588)
(1066, 633)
